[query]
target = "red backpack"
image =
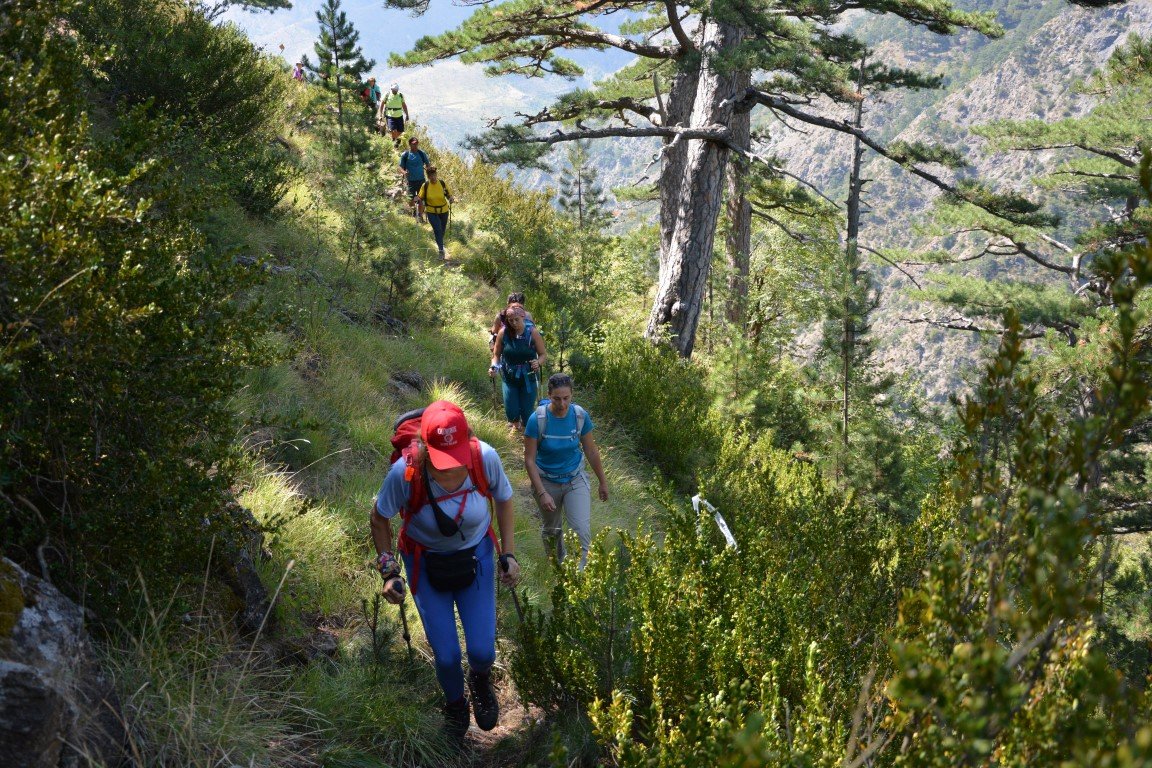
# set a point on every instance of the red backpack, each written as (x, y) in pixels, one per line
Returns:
(406, 444)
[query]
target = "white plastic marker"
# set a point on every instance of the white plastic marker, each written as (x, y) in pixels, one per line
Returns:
(723, 526)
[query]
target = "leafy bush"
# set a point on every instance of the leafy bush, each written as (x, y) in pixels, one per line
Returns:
(662, 398)
(205, 80)
(122, 335)
(679, 649)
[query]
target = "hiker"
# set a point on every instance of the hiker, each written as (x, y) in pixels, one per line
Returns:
(518, 355)
(435, 199)
(298, 72)
(517, 298)
(395, 113)
(372, 95)
(557, 437)
(448, 547)
(412, 165)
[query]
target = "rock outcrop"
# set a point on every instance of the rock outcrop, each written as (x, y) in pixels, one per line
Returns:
(56, 706)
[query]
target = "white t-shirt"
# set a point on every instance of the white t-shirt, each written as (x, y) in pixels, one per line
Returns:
(422, 527)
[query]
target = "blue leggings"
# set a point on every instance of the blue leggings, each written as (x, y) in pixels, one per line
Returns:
(439, 222)
(477, 607)
(520, 401)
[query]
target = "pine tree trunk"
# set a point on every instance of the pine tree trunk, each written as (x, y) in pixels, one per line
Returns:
(679, 108)
(738, 240)
(339, 89)
(688, 252)
(852, 259)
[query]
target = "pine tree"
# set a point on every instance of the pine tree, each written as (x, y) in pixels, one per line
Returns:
(580, 195)
(701, 68)
(214, 9)
(340, 62)
(1050, 279)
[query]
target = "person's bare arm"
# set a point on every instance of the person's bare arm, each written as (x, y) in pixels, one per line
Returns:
(382, 539)
(538, 345)
(593, 453)
(506, 521)
(545, 498)
(497, 351)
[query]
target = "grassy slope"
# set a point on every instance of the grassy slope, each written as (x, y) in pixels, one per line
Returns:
(327, 412)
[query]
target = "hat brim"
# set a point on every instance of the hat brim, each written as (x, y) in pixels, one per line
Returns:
(458, 456)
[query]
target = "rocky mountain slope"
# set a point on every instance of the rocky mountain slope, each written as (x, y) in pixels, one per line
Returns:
(1030, 73)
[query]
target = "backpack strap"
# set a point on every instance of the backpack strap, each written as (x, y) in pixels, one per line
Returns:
(541, 421)
(417, 491)
(476, 472)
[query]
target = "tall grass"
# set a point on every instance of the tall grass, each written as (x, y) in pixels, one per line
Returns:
(192, 696)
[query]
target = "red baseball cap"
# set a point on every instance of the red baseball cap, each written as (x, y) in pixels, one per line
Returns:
(444, 430)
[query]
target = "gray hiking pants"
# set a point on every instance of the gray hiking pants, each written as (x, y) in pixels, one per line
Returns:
(574, 500)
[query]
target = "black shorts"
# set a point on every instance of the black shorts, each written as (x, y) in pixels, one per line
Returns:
(395, 123)
(414, 187)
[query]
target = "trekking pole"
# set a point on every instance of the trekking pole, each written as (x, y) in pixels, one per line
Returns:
(495, 390)
(404, 627)
(404, 620)
(515, 597)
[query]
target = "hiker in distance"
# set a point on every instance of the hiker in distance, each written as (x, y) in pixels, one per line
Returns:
(395, 113)
(371, 95)
(517, 356)
(435, 200)
(298, 72)
(413, 161)
(557, 438)
(439, 486)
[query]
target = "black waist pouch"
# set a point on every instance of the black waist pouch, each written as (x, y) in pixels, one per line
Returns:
(450, 571)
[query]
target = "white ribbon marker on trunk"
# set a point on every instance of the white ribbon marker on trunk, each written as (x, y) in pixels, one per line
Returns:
(697, 500)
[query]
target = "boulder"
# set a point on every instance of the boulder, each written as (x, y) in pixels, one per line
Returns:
(240, 574)
(57, 707)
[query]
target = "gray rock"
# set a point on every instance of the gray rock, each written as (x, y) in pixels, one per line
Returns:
(407, 382)
(238, 568)
(57, 708)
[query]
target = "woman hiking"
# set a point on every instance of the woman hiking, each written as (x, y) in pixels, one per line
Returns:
(448, 545)
(556, 439)
(517, 356)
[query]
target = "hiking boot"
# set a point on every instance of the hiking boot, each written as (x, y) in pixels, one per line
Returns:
(485, 708)
(443, 255)
(456, 720)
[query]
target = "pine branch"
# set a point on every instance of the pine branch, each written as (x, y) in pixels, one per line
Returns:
(984, 201)
(674, 23)
(961, 323)
(1126, 161)
(574, 108)
(1090, 175)
(799, 237)
(890, 262)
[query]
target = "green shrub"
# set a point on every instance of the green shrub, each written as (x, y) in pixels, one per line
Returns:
(693, 652)
(662, 398)
(205, 80)
(122, 336)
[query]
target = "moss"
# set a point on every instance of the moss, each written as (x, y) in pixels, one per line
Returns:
(11, 599)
